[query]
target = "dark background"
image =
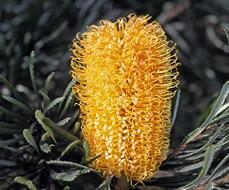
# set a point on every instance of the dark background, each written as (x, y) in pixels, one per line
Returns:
(49, 26)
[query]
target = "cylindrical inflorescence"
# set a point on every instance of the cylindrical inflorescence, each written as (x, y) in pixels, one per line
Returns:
(127, 72)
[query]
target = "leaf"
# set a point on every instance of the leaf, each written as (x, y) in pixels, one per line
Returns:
(64, 121)
(76, 127)
(29, 138)
(86, 149)
(226, 33)
(66, 164)
(24, 181)
(88, 161)
(67, 104)
(45, 148)
(69, 175)
(67, 91)
(218, 104)
(31, 70)
(53, 103)
(17, 103)
(45, 96)
(40, 118)
(47, 82)
(209, 155)
(59, 129)
(223, 161)
(69, 148)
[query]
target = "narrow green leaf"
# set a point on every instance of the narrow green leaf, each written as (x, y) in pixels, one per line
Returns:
(86, 149)
(67, 104)
(218, 104)
(88, 161)
(69, 148)
(69, 175)
(48, 81)
(59, 129)
(66, 164)
(223, 161)
(64, 121)
(209, 155)
(53, 103)
(76, 127)
(29, 138)
(45, 96)
(31, 70)
(24, 181)
(40, 118)
(67, 91)
(17, 103)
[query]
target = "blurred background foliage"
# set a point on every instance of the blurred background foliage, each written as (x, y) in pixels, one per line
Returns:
(48, 27)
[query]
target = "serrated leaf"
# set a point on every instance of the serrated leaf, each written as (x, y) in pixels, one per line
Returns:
(53, 103)
(47, 82)
(67, 104)
(67, 91)
(29, 138)
(40, 118)
(86, 149)
(31, 70)
(69, 148)
(64, 121)
(17, 103)
(69, 175)
(59, 129)
(66, 164)
(24, 181)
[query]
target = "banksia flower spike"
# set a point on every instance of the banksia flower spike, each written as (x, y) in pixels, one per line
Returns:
(127, 72)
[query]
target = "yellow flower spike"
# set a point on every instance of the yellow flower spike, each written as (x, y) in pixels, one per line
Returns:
(128, 75)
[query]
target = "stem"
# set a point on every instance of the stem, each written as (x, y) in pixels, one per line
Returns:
(122, 183)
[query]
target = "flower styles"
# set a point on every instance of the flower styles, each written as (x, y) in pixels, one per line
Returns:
(127, 72)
